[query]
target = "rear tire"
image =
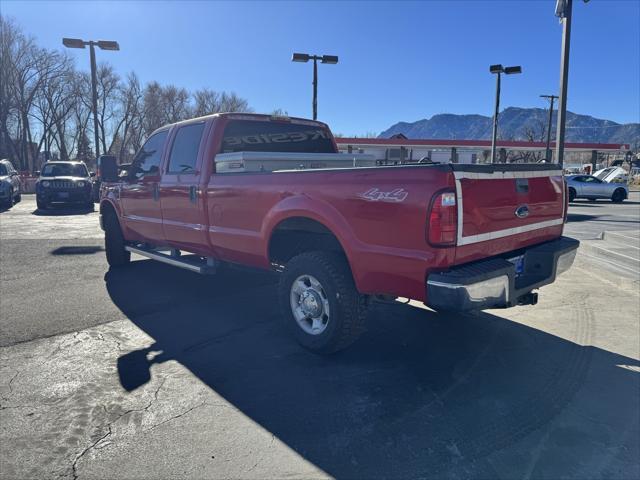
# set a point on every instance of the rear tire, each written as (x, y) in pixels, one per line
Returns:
(618, 196)
(320, 302)
(114, 244)
(572, 195)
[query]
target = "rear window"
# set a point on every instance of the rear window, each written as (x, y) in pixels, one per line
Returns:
(260, 136)
(184, 152)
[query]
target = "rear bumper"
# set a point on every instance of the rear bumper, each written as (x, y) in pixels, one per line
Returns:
(493, 283)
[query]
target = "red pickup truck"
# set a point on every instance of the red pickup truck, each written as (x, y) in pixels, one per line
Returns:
(274, 193)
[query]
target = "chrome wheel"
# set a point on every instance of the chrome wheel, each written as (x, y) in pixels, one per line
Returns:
(309, 304)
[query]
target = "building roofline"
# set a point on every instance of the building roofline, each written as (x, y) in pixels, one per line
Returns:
(391, 142)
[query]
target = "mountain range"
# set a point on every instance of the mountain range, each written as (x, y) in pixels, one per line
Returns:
(517, 124)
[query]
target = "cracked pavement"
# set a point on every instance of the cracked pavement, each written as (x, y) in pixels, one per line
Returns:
(154, 372)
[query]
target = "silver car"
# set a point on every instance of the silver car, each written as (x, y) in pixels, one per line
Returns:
(9, 184)
(592, 188)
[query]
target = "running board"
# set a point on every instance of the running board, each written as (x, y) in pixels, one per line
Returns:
(193, 263)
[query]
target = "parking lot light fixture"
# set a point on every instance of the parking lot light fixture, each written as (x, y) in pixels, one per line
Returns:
(102, 45)
(498, 70)
(305, 57)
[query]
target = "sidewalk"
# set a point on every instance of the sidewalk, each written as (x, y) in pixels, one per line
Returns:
(616, 251)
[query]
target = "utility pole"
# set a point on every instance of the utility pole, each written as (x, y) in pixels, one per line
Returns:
(548, 151)
(563, 10)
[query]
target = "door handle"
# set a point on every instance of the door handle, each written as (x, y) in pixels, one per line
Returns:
(155, 189)
(193, 194)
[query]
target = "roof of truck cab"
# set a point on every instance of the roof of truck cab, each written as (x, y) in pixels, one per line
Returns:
(241, 115)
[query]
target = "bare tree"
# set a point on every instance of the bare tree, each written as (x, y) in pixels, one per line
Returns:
(206, 102)
(45, 103)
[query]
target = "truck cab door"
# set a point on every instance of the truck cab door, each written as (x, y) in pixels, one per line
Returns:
(140, 194)
(181, 193)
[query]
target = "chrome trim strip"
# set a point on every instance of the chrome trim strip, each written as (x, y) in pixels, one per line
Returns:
(192, 226)
(507, 175)
(138, 218)
(483, 237)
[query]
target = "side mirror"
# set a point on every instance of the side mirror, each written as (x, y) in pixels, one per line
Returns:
(92, 174)
(37, 172)
(108, 168)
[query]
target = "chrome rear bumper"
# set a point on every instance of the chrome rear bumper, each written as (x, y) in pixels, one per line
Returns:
(494, 283)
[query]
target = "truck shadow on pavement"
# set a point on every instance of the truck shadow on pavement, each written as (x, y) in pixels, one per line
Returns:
(420, 395)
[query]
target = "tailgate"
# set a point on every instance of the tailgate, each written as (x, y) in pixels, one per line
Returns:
(506, 207)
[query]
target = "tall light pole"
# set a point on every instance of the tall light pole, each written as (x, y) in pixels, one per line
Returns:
(499, 70)
(563, 11)
(551, 98)
(103, 45)
(305, 57)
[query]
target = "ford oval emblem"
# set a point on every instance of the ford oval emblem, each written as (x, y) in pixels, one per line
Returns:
(522, 211)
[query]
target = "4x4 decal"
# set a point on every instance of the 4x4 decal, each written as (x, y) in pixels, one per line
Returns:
(375, 195)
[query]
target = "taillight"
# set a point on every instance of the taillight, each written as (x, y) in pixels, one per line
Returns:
(443, 220)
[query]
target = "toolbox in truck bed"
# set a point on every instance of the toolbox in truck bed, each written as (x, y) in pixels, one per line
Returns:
(238, 162)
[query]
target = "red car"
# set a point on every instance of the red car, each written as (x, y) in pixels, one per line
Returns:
(274, 193)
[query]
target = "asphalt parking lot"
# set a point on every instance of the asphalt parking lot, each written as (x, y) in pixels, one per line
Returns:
(151, 371)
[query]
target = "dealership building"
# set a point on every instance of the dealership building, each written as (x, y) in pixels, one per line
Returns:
(399, 149)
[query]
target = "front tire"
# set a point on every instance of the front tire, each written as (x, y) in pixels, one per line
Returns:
(41, 204)
(618, 196)
(114, 244)
(10, 200)
(572, 195)
(320, 302)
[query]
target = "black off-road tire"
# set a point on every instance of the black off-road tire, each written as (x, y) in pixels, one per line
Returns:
(618, 196)
(347, 306)
(572, 195)
(114, 243)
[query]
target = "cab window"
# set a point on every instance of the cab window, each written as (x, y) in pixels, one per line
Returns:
(184, 151)
(147, 160)
(262, 136)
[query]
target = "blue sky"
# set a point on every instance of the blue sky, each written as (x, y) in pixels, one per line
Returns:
(399, 61)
